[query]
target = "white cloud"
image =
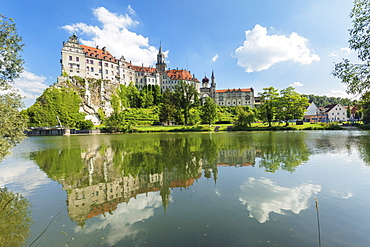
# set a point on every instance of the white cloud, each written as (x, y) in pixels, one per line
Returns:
(28, 85)
(338, 93)
(115, 35)
(264, 197)
(296, 84)
(131, 10)
(125, 219)
(260, 51)
(27, 175)
(214, 59)
(344, 51)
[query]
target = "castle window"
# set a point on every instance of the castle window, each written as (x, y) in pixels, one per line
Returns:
(106, 64)
(92, 69)
(70, 57)
(77, 59)
(221, 98)
(87, 60)
(87, 68)
(91, 62)
(99, 63)
(106, 71)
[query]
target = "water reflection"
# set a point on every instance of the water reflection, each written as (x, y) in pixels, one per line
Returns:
(99, 173)
(263, 196)
(15, 218)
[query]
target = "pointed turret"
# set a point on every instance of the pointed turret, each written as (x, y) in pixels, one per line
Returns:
(161, 65)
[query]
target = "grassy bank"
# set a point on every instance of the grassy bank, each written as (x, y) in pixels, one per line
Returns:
(225, 127)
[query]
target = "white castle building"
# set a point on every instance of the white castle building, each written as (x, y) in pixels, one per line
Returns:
(92, 62)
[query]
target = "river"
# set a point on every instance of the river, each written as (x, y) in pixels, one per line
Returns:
(190, 189)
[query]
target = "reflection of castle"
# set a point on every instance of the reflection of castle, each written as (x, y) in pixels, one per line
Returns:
(103, 189)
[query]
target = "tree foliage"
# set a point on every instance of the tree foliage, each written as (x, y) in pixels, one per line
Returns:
(357, 76)
(61, 102)
(12, 123)
(209, 111)
(268, 108)
(245, 117)
(11, 63)
(291, 105)
(186, 97)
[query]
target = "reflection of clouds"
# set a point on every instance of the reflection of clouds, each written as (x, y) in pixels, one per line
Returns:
(122, 221)
(342, 195)
(27, 176)
(263, 196)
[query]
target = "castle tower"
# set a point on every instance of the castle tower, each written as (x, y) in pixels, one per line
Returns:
(161, 65)
(213, 85)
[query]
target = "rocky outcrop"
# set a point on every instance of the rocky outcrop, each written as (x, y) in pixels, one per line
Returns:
(96, 95)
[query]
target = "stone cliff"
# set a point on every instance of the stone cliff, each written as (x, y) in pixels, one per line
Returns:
(96, 95)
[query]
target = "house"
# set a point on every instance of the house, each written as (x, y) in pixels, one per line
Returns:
(313, 114)
(334, 112)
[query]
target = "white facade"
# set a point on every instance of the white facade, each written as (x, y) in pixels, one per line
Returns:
(89, 62)
(335, 112)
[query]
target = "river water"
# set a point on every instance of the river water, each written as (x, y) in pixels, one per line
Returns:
(191, 189)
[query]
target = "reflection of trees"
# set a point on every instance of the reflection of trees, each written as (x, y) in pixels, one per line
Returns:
(15, 218)
(281, 150)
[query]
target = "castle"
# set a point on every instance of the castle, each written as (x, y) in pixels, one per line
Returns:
(92, 62)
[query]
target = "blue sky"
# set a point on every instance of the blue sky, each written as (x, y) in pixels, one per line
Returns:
(247, 43)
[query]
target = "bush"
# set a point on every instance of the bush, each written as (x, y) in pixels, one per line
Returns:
(84, 125)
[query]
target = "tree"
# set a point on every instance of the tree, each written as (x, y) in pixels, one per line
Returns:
(12, 123)
(357, 76)
(11, 63)
(62, 102)
(268, 108)
(186, 97)
(167, 107)
(244, 118)
(209, 111)
(291, 105)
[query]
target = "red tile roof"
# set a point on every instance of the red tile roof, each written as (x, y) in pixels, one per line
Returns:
(235, 90)
(143, 69)
(180, 74)
(96, 53)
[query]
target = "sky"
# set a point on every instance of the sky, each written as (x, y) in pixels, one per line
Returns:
(247, 43)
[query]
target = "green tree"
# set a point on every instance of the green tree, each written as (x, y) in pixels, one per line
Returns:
(11, 63)
(244, 118)
(209, 111)
(12, 123)
(291, 105)
(186, 97)
(61, 102)
(357, 76)
(268, 108)
(167, 107)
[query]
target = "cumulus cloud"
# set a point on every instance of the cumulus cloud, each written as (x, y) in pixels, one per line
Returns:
(296, 84)
(124, 223)
(30, 85)
(114, 34)
(214, 59)
(260, 51)
(262, 197)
